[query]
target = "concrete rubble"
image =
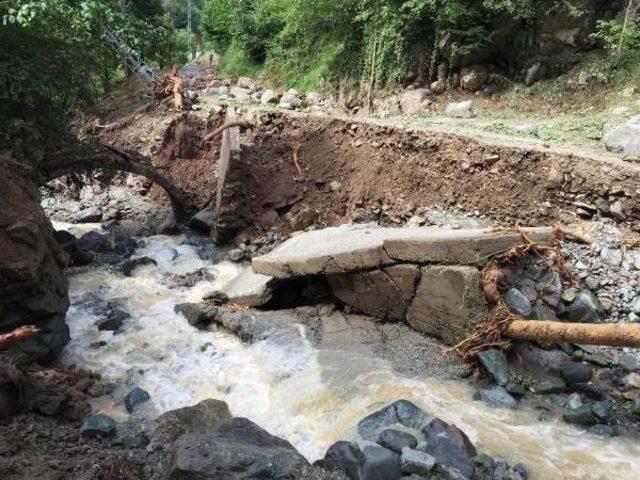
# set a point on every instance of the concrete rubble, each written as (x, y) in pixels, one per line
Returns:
(428, 277)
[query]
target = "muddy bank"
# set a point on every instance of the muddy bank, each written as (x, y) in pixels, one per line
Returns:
(353, 171)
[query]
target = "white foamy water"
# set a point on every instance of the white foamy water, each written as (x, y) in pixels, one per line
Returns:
(312, 398)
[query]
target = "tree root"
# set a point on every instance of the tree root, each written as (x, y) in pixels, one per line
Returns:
(219, 130)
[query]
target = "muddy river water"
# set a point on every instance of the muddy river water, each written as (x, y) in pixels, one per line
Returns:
(311, 398)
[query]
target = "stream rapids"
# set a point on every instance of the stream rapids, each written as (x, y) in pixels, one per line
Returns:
(309, 397)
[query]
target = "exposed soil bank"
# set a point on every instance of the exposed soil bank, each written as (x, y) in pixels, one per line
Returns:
(361, 171)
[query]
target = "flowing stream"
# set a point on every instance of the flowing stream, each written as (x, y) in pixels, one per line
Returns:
(312, 398)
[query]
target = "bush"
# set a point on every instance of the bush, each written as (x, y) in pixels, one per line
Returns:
(623, 44)
(304, 43)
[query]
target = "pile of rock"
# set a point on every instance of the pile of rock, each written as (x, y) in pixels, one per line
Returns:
(400, 441)
(609, 271)
(248, 91)
(95, 246)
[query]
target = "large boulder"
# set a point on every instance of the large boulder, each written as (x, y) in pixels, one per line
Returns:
(625, 138)
(203, 417)
(237, 449)
(33, 289)
(401, 412)
(474, 78)
(460, 109)
(414, 101)
(450, 446)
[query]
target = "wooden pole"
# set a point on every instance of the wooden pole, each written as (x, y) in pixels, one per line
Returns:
(604, 334)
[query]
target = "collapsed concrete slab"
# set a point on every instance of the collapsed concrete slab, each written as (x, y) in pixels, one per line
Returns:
(448, 302)
(357, 247)
(249, 289)
(428, 277)
(330, 250)
(384, 293)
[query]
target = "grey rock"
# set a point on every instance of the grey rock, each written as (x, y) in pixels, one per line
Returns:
(290, 100)
(235, 255)
(460, 109)
(341, 456)
(377, 463)
(114, 320)
(401, 411)
(413, 461)
(496, 397)
(495, 362)
(88, 215)
(611, 256)
(203, 417)
(592, 283)
(413, 101)
(528, 128)
(474, 78)
(135, 397)
(203, 221)
(396, 440)
(602, 410)
(98, 426)
(197, 314)
(625, 138)
(127, 267)
(536, 72)
(574, 372)
(635, 406)
(450, 446)
(312, 99)
(602, 431)
(629, 361)
(240, 93)
(585, 308)
(269, 97)
(33, 285)
(550, 385)
(580, 416)
(517, 302)
(237, 449)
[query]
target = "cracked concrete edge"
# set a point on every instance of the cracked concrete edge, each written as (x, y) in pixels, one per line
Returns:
(457, 249)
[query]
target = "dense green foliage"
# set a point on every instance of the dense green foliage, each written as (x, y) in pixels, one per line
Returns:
(307, 42)
(54, 59)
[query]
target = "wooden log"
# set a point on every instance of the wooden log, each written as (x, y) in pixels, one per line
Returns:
(604, 334)
(16, 335)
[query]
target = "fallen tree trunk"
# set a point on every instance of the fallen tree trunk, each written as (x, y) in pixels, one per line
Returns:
(16, 335)
(604, 334)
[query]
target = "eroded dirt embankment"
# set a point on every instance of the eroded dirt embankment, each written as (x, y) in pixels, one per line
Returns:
(361, 171)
